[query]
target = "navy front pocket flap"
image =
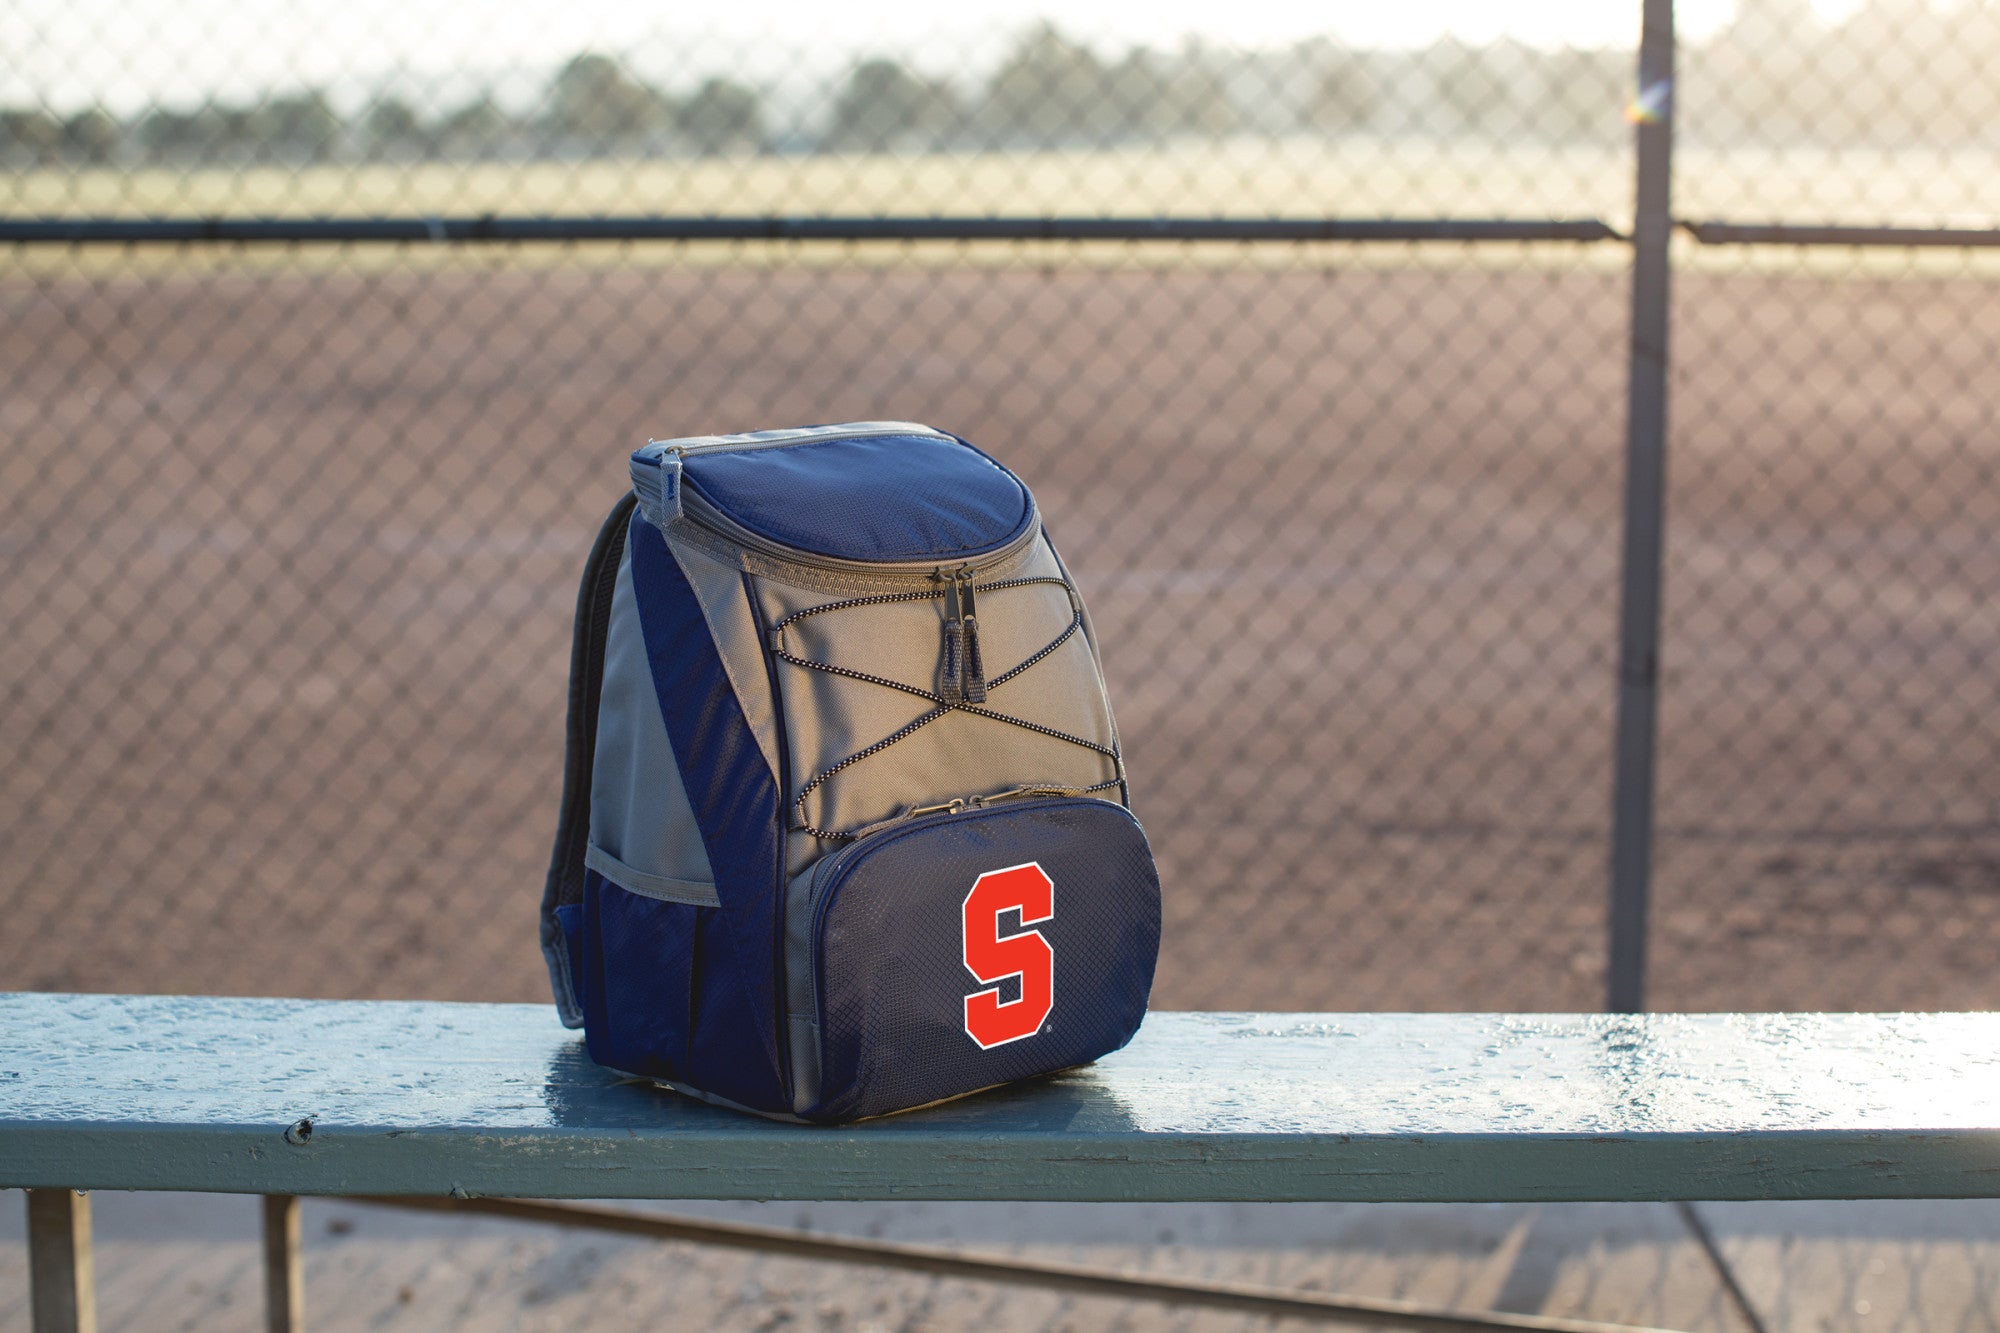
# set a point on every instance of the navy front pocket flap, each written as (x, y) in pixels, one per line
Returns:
(977, 948)
(879, 497)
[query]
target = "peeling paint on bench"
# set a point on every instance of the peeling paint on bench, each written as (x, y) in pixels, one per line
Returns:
(322, 1097)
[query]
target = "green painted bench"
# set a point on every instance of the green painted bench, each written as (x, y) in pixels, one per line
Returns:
(291, 1097)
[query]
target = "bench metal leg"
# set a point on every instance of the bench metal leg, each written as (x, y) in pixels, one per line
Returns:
(62, 1291)
(284, 1276)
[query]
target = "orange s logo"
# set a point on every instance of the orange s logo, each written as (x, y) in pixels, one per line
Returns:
(992, 957)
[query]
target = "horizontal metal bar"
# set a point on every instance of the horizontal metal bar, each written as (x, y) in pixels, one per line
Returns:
(490, 227)
(1787, 233)
(1268, 1301)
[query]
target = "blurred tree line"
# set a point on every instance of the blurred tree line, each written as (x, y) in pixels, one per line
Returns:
(1892, 72)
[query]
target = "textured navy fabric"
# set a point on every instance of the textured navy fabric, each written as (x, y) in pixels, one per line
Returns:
(883, 497)
(890, 968)
(639, 979)
(735, 803)
(727, 1030)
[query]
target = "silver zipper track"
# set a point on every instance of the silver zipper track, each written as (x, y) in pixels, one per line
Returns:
(778, 439)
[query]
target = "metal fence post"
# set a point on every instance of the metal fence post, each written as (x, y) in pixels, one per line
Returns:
(1645, 487)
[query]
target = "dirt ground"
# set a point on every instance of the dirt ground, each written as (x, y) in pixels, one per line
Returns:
(178, 1261)
(287, 562)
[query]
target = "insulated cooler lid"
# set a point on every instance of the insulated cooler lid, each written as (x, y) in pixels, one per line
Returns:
(893, 496)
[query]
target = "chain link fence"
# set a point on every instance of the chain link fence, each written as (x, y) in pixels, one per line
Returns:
(290, 526)
(1829, 814)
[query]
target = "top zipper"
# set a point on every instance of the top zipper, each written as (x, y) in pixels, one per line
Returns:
(778, 439)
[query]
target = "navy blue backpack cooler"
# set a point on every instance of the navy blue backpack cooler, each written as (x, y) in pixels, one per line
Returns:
(844, 821)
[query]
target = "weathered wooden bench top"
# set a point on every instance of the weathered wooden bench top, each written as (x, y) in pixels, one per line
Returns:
(319, 1097)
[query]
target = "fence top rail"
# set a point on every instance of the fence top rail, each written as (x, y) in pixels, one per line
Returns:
(331, 1097)
(1838, 234)
(503, 228)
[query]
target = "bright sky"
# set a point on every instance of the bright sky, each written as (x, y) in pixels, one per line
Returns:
(127, 53)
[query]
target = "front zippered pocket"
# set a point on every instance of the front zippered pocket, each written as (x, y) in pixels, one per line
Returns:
(973, 947)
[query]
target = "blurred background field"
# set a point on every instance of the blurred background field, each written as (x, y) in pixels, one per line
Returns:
(1297, 178)
(1294, 176)
(290, 528)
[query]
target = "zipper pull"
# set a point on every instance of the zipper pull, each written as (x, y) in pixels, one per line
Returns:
(975, 670)
(1032, 789)
(950, 807)
(951, 677)
(656, 477)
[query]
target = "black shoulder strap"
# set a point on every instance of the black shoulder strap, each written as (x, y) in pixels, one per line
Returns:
(586, 688)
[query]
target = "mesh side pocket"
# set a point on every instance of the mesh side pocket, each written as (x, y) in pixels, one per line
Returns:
(638, 968)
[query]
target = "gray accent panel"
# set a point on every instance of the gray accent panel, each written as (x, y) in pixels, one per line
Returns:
(1096, 652)
(829, 717)
(726, 607)
(639, 811)
(693, 893)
